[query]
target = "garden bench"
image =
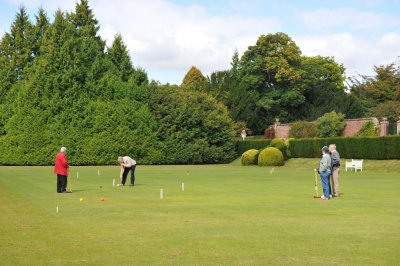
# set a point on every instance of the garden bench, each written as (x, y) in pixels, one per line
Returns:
(356, 164)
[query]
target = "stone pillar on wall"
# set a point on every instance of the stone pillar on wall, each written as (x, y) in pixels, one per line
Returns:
(398, 126)
(276, 125)
(384, 127)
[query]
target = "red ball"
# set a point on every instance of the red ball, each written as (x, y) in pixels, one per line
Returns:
(102, 199)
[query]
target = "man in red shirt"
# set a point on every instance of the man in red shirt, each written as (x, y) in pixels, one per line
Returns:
(61, 169)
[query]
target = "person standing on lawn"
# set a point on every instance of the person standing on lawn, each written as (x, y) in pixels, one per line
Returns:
(61, 169)
(324, 169)
(127, 164)
(335, 170)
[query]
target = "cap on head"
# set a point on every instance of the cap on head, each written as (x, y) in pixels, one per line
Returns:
(325, 149)
(63, 149)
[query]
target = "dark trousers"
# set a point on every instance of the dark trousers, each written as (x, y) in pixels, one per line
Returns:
(61, 183)
(125, 174)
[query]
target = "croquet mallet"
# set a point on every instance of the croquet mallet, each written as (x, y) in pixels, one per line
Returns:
(316, 187)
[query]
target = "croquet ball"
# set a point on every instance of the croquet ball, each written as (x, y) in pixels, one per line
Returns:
(101, 186)
(81, 199)
(117, 185)
(102, 199)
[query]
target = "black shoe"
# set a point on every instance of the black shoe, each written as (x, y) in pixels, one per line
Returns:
(131, 185)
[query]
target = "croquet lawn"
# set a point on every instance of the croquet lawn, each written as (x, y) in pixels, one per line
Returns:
(226, 215)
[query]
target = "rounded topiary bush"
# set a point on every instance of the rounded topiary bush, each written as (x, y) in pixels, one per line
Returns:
(270, 157)
(280, 145)
(249, 157)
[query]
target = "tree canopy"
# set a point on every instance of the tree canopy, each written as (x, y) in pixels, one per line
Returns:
(274, 80)
(60, 85)
(379, 94)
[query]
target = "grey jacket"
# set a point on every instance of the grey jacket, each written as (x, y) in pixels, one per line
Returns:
(335, 160)
(325, 164)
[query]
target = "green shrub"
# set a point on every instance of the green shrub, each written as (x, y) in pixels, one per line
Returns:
(368, 129)
(270, 157)
(303, 129)
(392, 147)
(194, 127)
(245, 145)
(287, 142)
(250, 157)
(239, 126)
(330, 125)
(280, 145)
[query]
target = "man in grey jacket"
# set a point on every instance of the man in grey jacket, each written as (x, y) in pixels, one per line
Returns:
(335, 170)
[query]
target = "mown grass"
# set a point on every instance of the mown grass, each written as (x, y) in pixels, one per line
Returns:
(228, 214)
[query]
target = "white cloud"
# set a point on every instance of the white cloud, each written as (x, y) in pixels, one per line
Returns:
(166, 39)
(358, 55)
(325, 18)
(163, 35)
(49, 5)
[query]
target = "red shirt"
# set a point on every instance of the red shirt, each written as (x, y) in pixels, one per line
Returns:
(61, 166)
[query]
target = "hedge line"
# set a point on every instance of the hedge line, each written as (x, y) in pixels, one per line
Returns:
(379, 148)
(245, 145)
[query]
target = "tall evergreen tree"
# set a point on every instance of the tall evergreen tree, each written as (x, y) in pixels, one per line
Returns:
(118, 54)
(83, 19)
(194, 80)
(72, 96)
(42, 24)
(21, 42)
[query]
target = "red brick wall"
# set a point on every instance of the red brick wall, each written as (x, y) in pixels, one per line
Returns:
(354, 125)
(351, 128)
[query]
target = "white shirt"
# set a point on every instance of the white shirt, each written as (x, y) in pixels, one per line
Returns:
(128, 161)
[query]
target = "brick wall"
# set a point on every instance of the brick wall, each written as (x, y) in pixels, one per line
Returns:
(354, 125)
(351, 128)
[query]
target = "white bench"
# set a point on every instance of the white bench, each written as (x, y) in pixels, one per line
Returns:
(356, 164)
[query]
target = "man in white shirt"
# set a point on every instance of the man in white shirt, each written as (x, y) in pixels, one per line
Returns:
(127, 164)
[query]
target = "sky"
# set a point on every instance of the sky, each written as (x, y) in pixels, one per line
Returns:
(168, 37)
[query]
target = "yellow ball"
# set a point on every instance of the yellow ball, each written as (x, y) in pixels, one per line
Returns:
(81, 199)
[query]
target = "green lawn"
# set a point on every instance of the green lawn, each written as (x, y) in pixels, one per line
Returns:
(228, 214)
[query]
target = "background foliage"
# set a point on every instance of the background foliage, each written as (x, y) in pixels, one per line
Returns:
(368, 129)
(61, 86)
(380, 148)
(380, 94)
(330, 125)
(303, 129)
(193, 126)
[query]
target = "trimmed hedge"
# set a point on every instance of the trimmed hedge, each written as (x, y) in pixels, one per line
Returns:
(245, 145)
(249, 157)
(270, 157)
(280, 145)
(378, 148)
